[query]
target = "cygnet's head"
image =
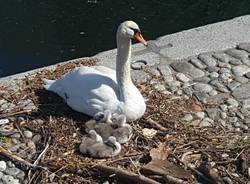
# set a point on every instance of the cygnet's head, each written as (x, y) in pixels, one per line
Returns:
(114, 144)
(131, 30)
(121, 120)
(95, 136)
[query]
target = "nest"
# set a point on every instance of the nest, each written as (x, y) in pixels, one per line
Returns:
(191, 154)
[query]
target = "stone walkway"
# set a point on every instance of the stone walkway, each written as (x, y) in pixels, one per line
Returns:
(219, 80)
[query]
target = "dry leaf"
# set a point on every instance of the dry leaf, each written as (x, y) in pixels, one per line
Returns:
(149, 132)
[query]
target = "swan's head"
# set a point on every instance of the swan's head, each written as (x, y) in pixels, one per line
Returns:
(131, 30)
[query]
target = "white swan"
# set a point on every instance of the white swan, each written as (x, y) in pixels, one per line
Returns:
(95, 89)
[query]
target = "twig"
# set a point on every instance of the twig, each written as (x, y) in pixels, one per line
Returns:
(38, 159)
(156, 124)
(14, 113)
(18, 159)
(192, 169)
(126, 174)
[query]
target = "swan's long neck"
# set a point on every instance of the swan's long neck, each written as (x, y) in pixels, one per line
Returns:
(123, 75)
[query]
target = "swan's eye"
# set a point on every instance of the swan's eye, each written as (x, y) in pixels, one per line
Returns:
(135, 30)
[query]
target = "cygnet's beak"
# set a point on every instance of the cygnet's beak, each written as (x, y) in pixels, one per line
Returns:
(140, 38)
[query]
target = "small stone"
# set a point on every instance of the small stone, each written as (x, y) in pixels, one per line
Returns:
(244, 46)
(225, 76)
(224, 155)
(16, 135)
(37, 138)
(166, 72)
(207, 59)
(206, 122)
(7, 179)
(197, 63)
(159, 87)
(240, 79)
(242, 92)
(235, 62)
(223, 115)
(222, 57)
(224, 65)
(212, 69)
(201, 96)
(239, 54)
(21, 175)
(4, 121)
(237, 124)
(233, 85)
(10, 164)
(246, 104)
(31, 145)
(222, 122)
(202, 79)
(223, 107)
(201, 87)
(15, 148)
(213, 113)
(244, 127)
(12, 171)
(174, 85)
(187, 117)
(240, 70)
(2, 165)
(233, 119)
(214, 75)
(247, 75)
(237, 130)
(183, 78)
(213, 93)
(179, 92)
(200, 115)
(28, 134)
(195, 122)
(187, 69)
(15, 141)
(224, 70)
(232, 103)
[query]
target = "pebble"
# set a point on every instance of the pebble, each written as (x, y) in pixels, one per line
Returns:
(213, 113)
(214, 75)
(201, 87)
(213, 93)
(235, 62)
(174, 85)
(28, 134)
(242, 92)
(233, 85)
(246, 104)
(2, 165)
(247, 75)
(223, 115)
(187, 117)
(223, 107)
(159, 87)
(4, 121)
(37, 138)
(233, 119)
(166, 72)
(207, 59)
(206, 122)
(225, 76)
(16, 135)
(212, 69)
(232, 103)
(200, 115)
(202, 79)
(224, 70)
(240, 70)
(183, 78)
(240, 79)
(197, 63)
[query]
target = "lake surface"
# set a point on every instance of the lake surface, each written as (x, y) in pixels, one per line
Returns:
(44, 32)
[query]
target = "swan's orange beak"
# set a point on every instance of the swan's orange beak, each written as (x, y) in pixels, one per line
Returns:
(140, 38)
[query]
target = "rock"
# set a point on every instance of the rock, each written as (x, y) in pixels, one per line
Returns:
(213, 113)
(174, 85)
(233, 85)
(202, 79)
(217, 99)
(187, 69)
(31, 145)
(195, 122)
(7, 179)
(214, 75)
(225, 70)
(140, 76)
(233, 119)
(220, 87)
(235, 62)
(212, 69)
(244, 46)
(4, 121)
(197, 63)
(221, 56)
(225, 76)
(246, 104)
(237, 124)
(159, 87)
(207, 59)
(15, 148)
(201, 96)
(200, 115)
(187, 117)
(247, 75)
(166, 72)
(2, 165)
(240, 70)
(37, 138)
(242, 92)
(28, 134)
(238, 54)
(223, 115)
(204, 88)
(213, 93)
(232, 103)
(10, 164)
(16, 135)
(223, 107)
(13, 171)
(181, 77)
(206, 122)
(240, 79)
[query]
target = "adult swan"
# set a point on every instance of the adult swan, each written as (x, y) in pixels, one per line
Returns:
(97, 89)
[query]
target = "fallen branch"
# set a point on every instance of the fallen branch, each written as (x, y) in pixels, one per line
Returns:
(126, 174)
(14, 113)
(18, 159)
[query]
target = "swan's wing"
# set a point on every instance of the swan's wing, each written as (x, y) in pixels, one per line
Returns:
(87, 90)
(106, 71)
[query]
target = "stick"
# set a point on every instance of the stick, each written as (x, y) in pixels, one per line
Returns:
(156, 124)
(14, 113)
(126, 174)
(18, 159)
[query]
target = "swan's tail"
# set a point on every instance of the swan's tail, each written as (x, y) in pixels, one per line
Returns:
(48, 84)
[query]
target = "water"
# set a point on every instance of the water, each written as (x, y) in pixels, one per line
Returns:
(43, 32)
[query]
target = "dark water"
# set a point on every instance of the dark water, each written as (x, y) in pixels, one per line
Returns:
(35, 33)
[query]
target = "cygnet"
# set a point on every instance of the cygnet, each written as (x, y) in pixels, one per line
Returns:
(109, 148)
(124, 131)
(88, 140)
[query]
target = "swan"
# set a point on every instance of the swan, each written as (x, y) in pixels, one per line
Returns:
(90, 90)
